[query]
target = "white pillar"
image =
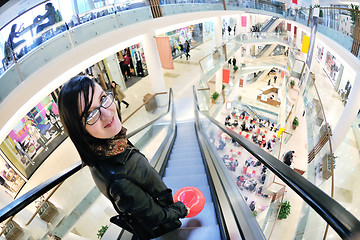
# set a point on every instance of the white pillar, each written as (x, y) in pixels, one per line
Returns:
(238, 25)
(114, 70)
(154, 68)
(218, 82)
(348, 115)
(217, 31)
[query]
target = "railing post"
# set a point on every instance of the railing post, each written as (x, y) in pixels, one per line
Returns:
(356, 38)
(155, 8)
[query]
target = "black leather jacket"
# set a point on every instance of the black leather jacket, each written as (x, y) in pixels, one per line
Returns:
(131, 198)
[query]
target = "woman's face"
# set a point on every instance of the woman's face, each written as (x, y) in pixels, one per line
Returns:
(108, 124)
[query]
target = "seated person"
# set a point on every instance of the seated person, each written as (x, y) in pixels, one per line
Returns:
(14, 34)
(236, 123)
(50, 15)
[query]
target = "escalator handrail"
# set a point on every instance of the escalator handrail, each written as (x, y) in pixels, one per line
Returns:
(341, 220)
(20, 203)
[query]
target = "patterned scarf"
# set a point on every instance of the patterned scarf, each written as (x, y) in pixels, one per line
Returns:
(113, 146)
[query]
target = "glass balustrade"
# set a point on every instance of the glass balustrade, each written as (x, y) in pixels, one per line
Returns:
(266, 195)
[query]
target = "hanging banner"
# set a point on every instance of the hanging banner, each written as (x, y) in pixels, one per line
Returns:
(241, 82)
(294, 1)
(282, 74)
(305, 44)
(164, 49)
(243, 21)
(289, 27)
(226, 75)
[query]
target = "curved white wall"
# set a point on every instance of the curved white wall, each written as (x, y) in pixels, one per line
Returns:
(58, 71)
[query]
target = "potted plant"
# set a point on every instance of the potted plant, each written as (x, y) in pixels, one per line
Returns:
(292, 83)
(223, 92)
(214, 96)
(102, 231)
(236, 68)
(284, 211)
(295, 122)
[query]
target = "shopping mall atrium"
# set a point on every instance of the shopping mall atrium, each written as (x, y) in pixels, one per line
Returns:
(254, 103)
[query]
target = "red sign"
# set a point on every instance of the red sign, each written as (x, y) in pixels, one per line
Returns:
(241, 82)
(294, 1)
(226, 75)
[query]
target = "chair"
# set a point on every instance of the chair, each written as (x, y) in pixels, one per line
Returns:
(244, 170)
(247, 136)
(253, 173)
(258, 131)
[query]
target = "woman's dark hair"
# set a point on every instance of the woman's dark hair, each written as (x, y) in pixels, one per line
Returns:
(71, 116)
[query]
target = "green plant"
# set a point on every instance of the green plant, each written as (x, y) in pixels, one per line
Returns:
(296, 121)
(215, 95)
(353, 13)
(321, 13)
(236, 68)
(223, 87)
(102, 231)
(292, 83)
(284, 210)
(255, 213)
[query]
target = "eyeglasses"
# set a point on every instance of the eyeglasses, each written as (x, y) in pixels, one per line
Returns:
(94, 115)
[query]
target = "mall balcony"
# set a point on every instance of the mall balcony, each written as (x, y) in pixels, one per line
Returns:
(176, 119)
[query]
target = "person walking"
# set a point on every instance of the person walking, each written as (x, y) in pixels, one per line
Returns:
(187, 49)
(120, 171)
(234, 61)
(118, 94)
(289, 158)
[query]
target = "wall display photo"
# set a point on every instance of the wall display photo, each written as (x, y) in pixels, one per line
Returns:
(332, 67)
(34, 137)
(10, 181)
(319, 53)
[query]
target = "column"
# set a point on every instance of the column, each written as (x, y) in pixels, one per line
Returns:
(218, 43)
(217, 31)
(154, 68)
(348, 115)
(114, 71)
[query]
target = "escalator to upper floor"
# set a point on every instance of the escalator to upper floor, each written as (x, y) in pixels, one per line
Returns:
(190, 154)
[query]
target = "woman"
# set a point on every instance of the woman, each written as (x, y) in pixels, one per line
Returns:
(118, 94)
(94, 126)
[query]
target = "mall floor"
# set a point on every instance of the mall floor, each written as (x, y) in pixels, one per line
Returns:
(183, 77)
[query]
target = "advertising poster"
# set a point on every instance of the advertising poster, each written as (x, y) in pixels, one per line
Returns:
(332, 67)
(319, 53)
(10, 181)
(34, 137)
(208, 29)
(138, 57)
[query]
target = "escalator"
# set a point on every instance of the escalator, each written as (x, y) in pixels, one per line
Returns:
(269, 24)
(188, 156)
(185, 167)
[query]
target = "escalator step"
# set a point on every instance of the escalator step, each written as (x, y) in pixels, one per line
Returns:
(182, 147)
(206, 217)
(202, 233)
(183, 162)
(187, 154)
(184, 181)
(186, 144)
(184, 171)
(192, 232)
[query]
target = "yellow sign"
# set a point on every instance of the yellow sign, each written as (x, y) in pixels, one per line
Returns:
(280, 131)
(305, 44)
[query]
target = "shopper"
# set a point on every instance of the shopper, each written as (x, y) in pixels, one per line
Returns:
(118, 94)
(50, 15)
(288, 158)
(93, 123)
(187, 49)
(234, 61)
